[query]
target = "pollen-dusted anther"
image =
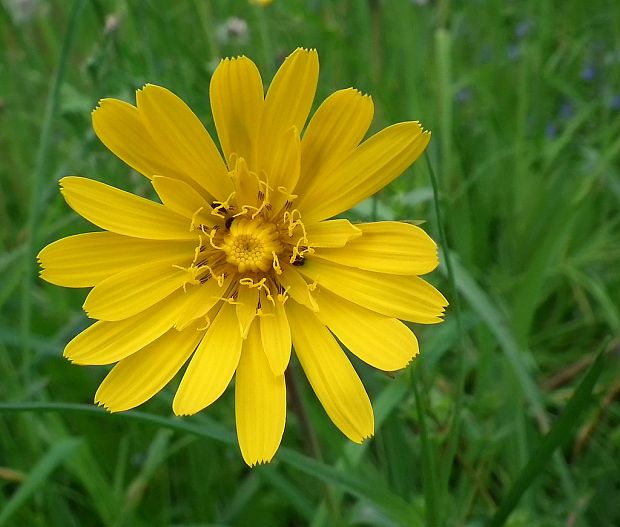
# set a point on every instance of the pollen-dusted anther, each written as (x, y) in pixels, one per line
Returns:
(299, 260)
(250, 245)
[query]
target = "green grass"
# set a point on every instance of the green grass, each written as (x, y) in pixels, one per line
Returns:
(510, 416)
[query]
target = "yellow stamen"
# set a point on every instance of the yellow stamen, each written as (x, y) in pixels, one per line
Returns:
(207, 324)
(276, 263)
(193, 224)
(222, 206)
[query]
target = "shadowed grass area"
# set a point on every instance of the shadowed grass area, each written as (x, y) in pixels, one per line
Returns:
(509, 416)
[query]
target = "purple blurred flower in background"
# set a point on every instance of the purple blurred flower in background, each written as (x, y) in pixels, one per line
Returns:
(551, 130)
(567, 110)
(523, 29)
(588, 72)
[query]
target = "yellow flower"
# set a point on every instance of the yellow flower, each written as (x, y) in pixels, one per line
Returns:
(261, 2)
(240, 260)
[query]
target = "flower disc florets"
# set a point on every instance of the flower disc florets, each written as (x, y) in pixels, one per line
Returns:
(251, 245)
(254, 231)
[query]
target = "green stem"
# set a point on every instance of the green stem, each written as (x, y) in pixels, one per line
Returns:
(312, 446)
(428, 460)
(455, 425)
(309, 436)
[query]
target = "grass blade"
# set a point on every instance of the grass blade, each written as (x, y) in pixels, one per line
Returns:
(483, 305)
(45, 139)
(391, 504)
(558, 434)
(206, 427)
(37, 477)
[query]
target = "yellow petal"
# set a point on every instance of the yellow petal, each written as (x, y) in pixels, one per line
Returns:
(140, 376)
(383, 342)
(84, 260)
(246, 184)
(332, 233)
(120, 127)
(205, 297)
(260, 403)
(236, 93)
(275, 335)
(331, 375)
(118, 211)
(178, 132)
(405, 297)
(369, 168)
(288, 99)
(334, 131)
(247, 305)
(282, 168)
(212, 366)
(108, 342)
(387, 247)
(129, 292)
(297, 287)
(181, 198)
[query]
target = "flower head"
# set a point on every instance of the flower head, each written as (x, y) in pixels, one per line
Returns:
(240, 260)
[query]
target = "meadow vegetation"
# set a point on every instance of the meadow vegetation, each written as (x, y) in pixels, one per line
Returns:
(510, 416)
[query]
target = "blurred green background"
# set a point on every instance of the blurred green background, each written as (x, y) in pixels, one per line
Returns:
(509, 416)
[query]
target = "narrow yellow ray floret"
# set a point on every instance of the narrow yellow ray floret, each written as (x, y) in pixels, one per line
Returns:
(240, 262)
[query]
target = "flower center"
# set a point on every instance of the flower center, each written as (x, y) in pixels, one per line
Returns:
(251, 245)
